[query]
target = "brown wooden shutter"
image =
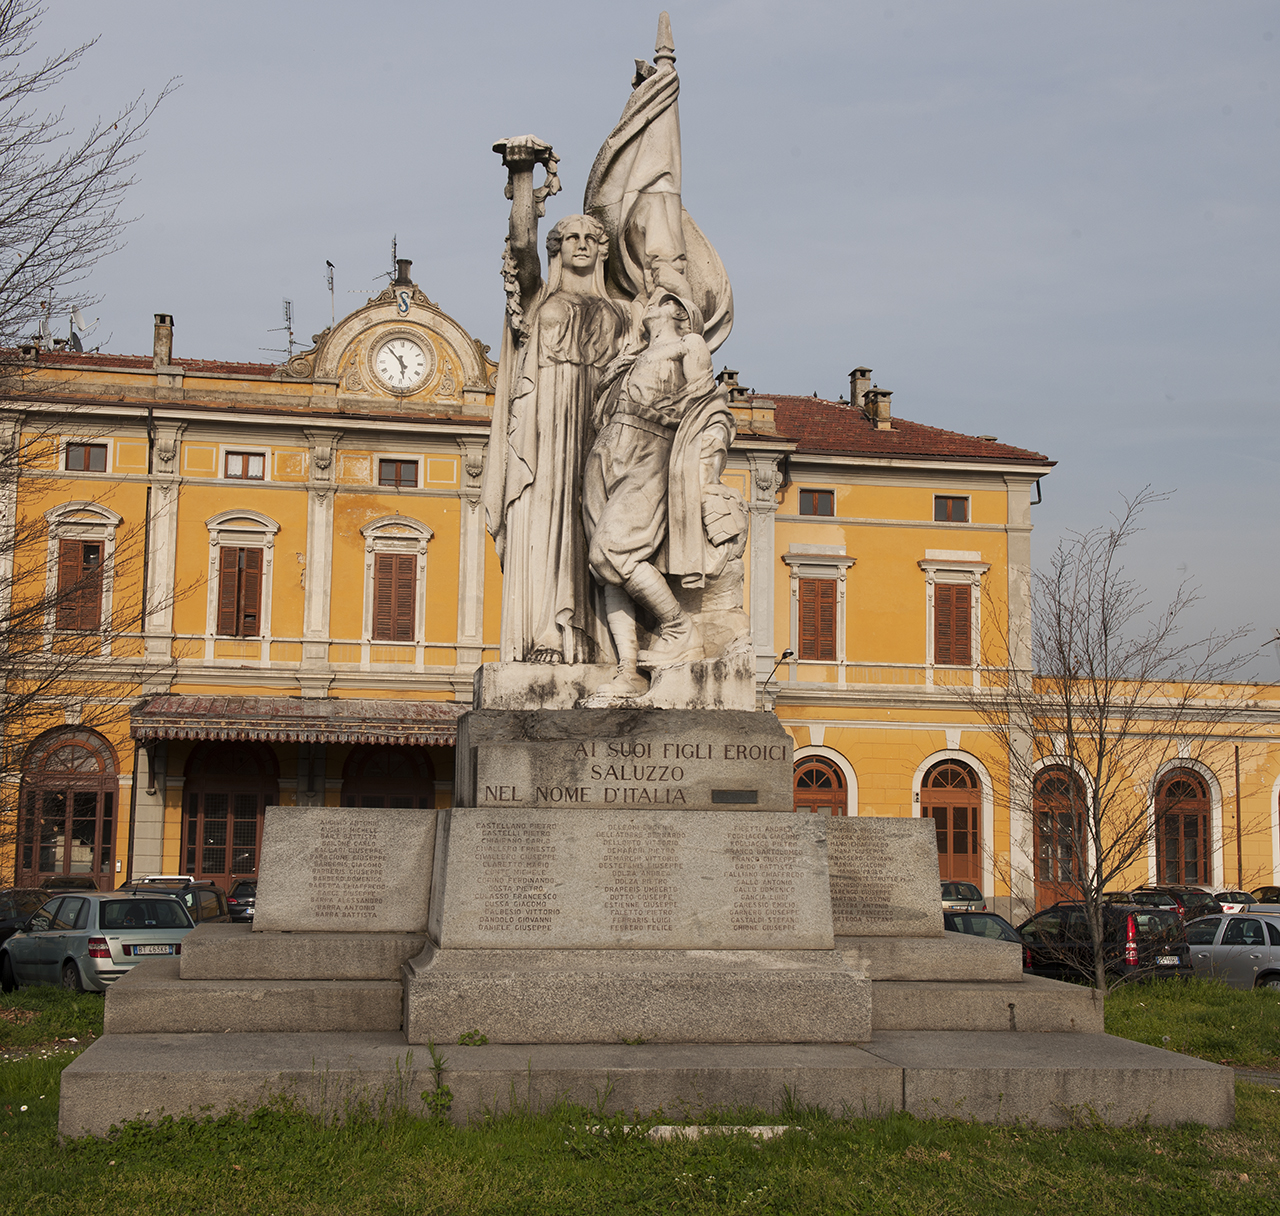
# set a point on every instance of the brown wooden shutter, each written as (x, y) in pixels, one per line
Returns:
(808, 618)
(250, 593)
(405, 564)
(826, 620)
(79, 585)
(943, 618)
(952, 613)
(384, 597)
(70, 560)
(961, 649)
(818, 619)
(228, 590)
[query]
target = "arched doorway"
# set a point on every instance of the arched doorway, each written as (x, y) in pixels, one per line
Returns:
(820, 787)
(68, 798)
(1182, 828)
(382, 775)
(228, 787)
(951, 795)
(1058, 812)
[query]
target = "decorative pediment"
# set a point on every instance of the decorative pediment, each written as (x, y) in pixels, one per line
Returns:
(400, 347)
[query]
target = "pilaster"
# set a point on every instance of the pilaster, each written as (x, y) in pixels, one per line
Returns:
(315, 675)
(766, 479)
(471, 555)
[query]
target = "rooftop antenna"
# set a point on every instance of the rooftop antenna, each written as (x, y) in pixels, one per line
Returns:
(393, 257)
(286, 328)
(333, 317)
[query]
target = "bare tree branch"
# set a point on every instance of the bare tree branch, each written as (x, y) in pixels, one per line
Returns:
(1117, 695)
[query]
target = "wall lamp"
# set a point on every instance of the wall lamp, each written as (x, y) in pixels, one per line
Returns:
(782, 658)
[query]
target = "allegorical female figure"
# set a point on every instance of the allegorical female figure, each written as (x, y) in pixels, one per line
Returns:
(560, 335)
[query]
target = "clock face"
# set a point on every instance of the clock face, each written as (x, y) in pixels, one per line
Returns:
(401, 364)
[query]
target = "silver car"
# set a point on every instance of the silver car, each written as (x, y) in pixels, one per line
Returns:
(89, 940)
(962, 897)
(1241, 949)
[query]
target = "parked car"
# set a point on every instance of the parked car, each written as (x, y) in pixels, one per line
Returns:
(986, 924)
(1234, 901)
(1192, 901)
(1241, 949)
(1138, 942)
(242, 898)
(1267, 895)
(1144, 899)
(69, 882)
(16, 905)
(962, 897)
(89, 940)
(204, 901)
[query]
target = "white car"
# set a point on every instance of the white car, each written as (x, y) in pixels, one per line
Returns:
(1241, 949)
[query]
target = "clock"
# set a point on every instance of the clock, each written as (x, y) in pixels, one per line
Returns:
(402, 364)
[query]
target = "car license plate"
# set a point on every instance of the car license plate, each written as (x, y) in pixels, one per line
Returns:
(153, 949)
(1168, 960)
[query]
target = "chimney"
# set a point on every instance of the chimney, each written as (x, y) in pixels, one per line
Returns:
(402, 272)
(878, 411)
(728, 378)
(859, 382)
(162, 352)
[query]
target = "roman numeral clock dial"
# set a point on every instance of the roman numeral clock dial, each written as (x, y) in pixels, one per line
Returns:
(401, 364)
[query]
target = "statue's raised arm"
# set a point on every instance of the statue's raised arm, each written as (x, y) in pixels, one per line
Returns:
(523, 269)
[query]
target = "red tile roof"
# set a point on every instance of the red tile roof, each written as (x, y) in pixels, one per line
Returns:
(839, 428)
(144, 363)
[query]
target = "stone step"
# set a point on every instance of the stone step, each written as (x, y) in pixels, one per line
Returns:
(1030, 1004)
(225, 952)
(953, 956)
(653, 996)
(154, 999)
(994, 1077)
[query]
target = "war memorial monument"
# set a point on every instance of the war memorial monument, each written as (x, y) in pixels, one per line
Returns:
(621, 901)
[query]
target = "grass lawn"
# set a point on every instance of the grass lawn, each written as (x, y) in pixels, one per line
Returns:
(567, 1161)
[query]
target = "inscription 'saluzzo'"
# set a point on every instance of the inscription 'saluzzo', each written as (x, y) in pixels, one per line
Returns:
(634, 879)
(623, 772)
(347, 872)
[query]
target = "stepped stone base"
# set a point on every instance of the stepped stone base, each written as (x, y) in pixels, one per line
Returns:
(1050, 1079)
(658, 996)
(954, 956)
(221, 951)
(154, 998)
(1030, 1004)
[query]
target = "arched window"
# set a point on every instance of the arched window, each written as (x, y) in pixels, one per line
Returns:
(68, 799)
(1058, 811)
(820, 787)
(382, 775)
(1182, 828)
(951, 795)
(227, 788)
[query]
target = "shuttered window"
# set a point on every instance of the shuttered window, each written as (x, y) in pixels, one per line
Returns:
(394, 577)
(79, 584)
(818, 619)
(952, 617)
(239, 592)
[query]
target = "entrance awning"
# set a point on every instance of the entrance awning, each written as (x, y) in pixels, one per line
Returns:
(297, 720)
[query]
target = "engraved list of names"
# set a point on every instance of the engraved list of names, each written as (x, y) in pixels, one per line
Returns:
(635, 880)
(348, 879)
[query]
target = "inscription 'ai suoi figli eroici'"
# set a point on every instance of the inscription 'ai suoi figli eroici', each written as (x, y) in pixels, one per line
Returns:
(623, 772)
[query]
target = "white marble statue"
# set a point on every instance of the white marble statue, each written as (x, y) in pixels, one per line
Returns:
(632, 286)
(559, 336)
(646, 500)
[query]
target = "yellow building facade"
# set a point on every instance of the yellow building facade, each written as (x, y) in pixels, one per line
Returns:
(280, 585)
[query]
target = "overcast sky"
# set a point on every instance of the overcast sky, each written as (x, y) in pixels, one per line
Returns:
(1051, 222)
